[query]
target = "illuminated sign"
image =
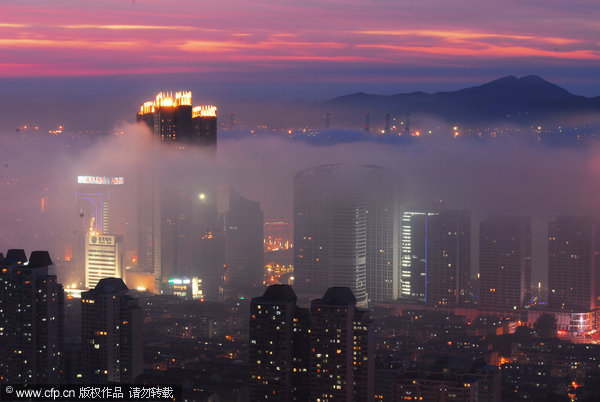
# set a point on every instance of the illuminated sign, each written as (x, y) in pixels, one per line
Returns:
(102, 240)
(100, 180)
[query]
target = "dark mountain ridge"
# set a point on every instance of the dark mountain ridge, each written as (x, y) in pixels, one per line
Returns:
(526, 100)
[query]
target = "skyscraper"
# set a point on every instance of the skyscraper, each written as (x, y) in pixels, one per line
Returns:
(173, 119)
(436, 259)
(271, 344)
(341, 349)
(176, 214)
(244, 262)
(505, 261)
(111, 333)
(574, 263)
(31, 320)
(346, 231)
(383, 197)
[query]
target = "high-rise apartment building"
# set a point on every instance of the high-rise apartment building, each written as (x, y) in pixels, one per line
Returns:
(31, 320)
(574, 263)
(111, 333)
(341, 349)
(436, 255)
(505, 261)
(176, 214)
(346, 231)
(272, 333)
(103, 258)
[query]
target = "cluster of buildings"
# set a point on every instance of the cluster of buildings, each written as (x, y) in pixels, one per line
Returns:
(351, 229)
(321, 353)
(32, 324)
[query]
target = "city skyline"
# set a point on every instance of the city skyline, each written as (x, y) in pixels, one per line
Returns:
(412, 187)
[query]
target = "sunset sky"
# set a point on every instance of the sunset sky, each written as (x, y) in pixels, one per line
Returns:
(353, 44)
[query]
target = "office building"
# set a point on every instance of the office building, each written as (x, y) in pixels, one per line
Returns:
(574, 263)
(31, 320)
(505, 261)
(346, 231)
(103, 258)
(436, 255)
(244, 261)
(111, 334)
(177, 214)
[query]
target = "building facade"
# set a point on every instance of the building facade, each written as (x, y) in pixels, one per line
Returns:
(574, 263)
(436, 255)
(346, 231)
(31, 320)
(325, 353)
(177, 214)
(111, 334)
(103, 258)
(505, 261)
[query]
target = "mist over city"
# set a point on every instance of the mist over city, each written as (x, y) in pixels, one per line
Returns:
(322, 201)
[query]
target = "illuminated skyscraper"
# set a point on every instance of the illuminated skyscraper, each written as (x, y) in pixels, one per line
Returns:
(111, 333)
(574, 263)
(173, 119)
(31, 320)
(505, 261)
(176, 215)
(436, 248)
(103, 258)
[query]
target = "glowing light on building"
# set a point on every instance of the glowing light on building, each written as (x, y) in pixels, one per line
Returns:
(204, 111)
(166, 99)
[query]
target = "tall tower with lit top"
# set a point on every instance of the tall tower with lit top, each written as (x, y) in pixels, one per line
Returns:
(176, 215)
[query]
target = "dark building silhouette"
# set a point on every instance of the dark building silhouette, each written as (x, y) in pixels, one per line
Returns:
(574, 263)
(297, 355)
(176, 215)
(436, 255)
(505, 261)
(244, 261)
(31, 320)
(383, 198)
(111, 333)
